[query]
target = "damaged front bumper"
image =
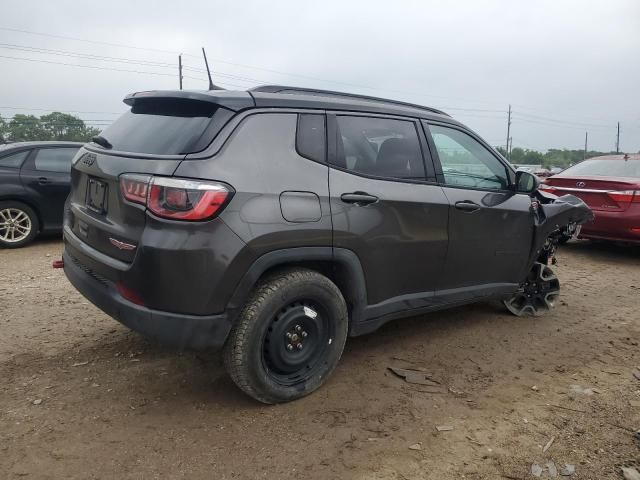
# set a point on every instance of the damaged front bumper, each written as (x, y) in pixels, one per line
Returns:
(552, 216)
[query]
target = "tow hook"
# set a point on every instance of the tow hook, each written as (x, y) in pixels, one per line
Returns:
(58, 263)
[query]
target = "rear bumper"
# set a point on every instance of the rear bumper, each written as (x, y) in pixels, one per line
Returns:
(614, 226)
(178, 330)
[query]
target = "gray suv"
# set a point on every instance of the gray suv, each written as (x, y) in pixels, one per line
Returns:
(276, 222)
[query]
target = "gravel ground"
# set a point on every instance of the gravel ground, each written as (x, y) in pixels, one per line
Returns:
(82, 397)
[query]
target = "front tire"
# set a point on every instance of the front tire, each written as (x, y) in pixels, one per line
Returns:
(288, 338)
(537, 294)
(18, 224)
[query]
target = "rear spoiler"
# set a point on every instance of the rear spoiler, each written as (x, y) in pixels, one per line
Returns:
(231, 100)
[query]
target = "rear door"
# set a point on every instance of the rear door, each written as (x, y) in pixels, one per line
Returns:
(48, 173)
(490, 226)
(387, 208)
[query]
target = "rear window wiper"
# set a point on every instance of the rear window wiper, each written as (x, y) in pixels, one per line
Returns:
(100, 140)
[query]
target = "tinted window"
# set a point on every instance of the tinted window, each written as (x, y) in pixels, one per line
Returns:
(55, 159)
(379, 146)
(310, 137)
(14, 160)
(166, 126)
(606, 168)
(466, 162)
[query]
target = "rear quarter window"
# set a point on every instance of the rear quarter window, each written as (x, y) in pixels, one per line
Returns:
(311, 141)
(55, 159)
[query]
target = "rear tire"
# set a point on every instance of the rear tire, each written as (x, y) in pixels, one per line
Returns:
(18, 224)
(288, 338)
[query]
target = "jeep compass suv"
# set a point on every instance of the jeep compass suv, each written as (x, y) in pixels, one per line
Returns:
(276, 222)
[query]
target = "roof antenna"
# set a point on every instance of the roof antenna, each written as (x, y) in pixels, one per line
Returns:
(211, 84)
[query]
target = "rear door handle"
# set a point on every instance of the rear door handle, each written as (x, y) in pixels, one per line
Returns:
(467, 206)
(358, 198)
(43, 180)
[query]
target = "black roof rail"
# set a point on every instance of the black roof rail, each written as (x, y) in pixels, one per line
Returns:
(331, 93)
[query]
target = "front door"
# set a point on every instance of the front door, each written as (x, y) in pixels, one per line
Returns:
(490, 226)
(385, 208)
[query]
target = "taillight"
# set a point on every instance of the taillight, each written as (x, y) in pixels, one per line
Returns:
(625, 196)
(135, 187)
(176, 198)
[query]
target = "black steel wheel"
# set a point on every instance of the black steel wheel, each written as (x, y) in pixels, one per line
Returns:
(295, 342)
(289, 337)
(537, 294)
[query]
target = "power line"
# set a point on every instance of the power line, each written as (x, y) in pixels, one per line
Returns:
(95, 42)
(550, 123)
(253, 67)
(106, 120)
(89, 56)
(557, 120)
(87, 66)
(56, 110)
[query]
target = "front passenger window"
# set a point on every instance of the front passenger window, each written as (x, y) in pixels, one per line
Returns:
(466, 162)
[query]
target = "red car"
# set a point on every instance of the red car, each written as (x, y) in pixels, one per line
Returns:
(610, 186)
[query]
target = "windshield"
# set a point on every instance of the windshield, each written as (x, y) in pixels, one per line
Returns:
(606, 168)
(166, 126)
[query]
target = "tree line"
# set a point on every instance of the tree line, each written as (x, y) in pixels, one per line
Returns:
(53, 126)
(553, 157)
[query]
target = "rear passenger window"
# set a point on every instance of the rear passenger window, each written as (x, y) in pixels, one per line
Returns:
(55, 159)
(311, 137)
(14, 160)
(380, 147)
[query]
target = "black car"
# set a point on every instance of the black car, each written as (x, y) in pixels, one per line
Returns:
(278, 221)
(34, 184)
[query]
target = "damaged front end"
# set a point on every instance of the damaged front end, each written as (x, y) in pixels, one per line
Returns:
(554, 219)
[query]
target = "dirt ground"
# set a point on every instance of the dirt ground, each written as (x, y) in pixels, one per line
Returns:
(82, 397)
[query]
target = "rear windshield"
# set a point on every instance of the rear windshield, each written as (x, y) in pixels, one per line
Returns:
(606, 168)
(166, 126)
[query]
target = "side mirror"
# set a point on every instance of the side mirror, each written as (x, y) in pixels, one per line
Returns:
(526, 182)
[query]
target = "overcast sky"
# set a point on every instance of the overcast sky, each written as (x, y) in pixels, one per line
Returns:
(565, 66)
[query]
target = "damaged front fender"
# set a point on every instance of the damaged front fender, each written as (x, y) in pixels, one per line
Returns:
(551, 215)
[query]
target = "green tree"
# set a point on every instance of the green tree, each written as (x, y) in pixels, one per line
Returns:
(23, 128)
(62, 126)
(3, 131)
(54, 126)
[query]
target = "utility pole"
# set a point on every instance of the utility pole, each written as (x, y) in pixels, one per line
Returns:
(180, 70)
(618, 139)
(586, 137)
(508, 149)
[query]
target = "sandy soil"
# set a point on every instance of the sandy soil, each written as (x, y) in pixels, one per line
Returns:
(82, 397)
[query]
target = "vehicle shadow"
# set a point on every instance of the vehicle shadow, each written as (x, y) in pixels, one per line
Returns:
(605, 251)
(129, 363)
(200, 378)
